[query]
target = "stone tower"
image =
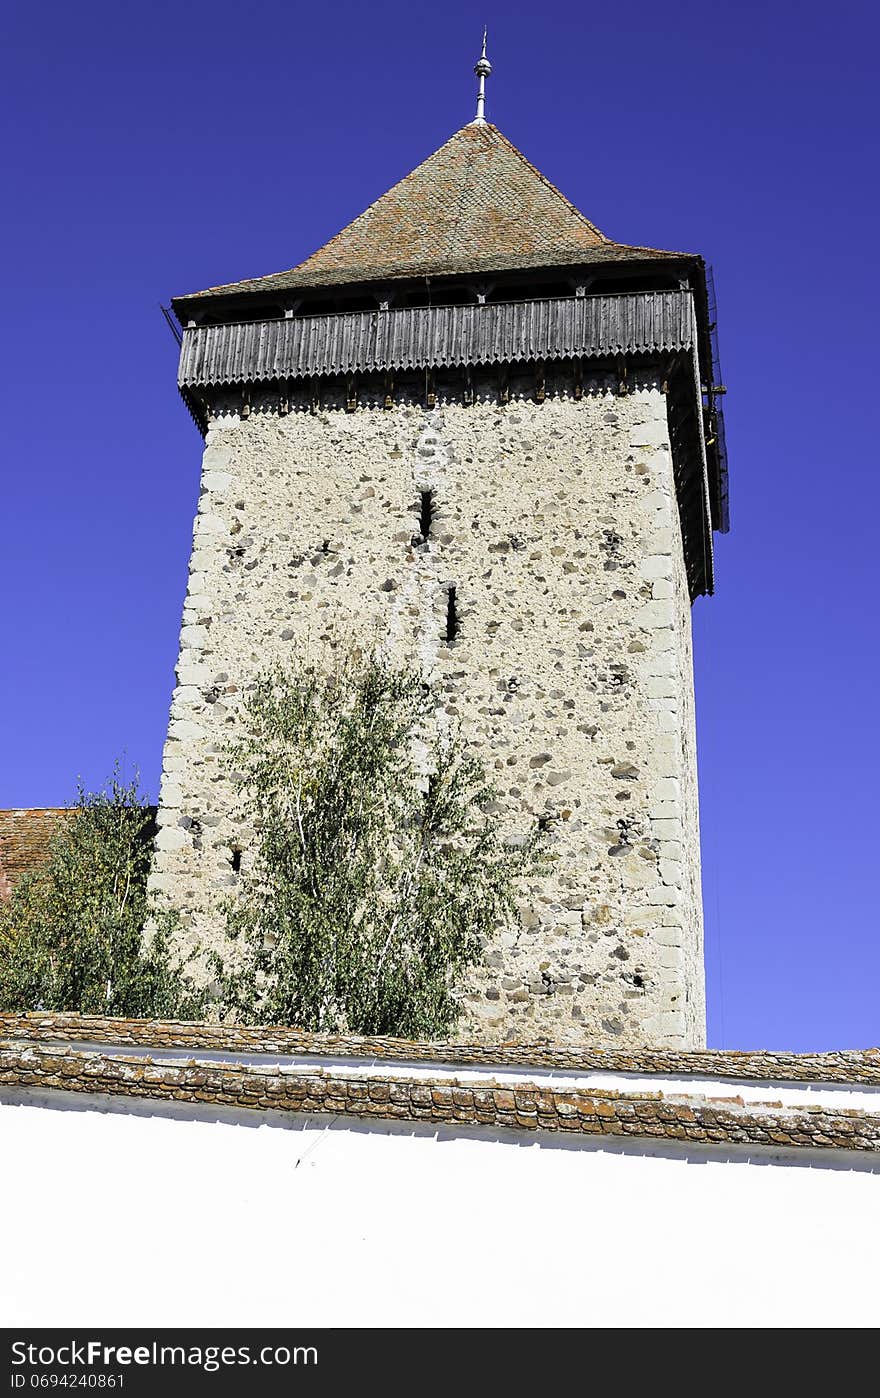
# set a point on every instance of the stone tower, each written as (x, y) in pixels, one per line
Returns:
(475, 431)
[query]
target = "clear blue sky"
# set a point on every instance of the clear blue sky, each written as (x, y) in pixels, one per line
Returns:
(157, 149)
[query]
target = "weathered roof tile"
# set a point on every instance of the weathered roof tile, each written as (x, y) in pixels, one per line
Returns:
(25, 842)
(475, 205)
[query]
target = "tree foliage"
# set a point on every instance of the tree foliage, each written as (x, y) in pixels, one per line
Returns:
(374, 888)
(72, 934)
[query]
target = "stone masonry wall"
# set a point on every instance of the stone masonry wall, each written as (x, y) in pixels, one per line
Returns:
(556, 523)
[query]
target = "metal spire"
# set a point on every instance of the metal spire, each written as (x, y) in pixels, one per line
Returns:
(482, 69)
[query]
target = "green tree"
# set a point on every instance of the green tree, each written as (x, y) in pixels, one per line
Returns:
(72, 934)
(373, 887)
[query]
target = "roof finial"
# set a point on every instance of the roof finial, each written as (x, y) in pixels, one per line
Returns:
(482, 69)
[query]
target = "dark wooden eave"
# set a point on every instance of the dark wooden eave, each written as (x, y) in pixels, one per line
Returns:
(657, 330)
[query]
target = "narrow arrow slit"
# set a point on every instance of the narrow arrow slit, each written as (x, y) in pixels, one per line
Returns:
(452, 622)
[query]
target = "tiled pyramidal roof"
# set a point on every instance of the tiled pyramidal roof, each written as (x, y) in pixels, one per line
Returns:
(475, 205)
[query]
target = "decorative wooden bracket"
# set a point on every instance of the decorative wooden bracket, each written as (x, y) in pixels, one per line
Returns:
(315, 396)
(622, 376)
(468, 387)
(504, 386)
(430, 390)
(245, 403)
(284, 400)
(389, 391)
(351, 401)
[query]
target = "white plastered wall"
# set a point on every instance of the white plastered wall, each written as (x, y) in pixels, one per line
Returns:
(142, 1214)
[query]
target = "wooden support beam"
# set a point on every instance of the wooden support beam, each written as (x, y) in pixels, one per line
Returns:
(540, 388)
(668, 372)
(389, 391)
(504, 384)
(578, 380)
(430, 389)
(684, 419)
(679, 417)
(351, 400)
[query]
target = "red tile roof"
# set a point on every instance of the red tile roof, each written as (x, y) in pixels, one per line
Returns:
(25, 842)
(475, 205)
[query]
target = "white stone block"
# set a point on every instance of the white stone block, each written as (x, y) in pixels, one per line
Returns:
(171, 838)
(671, 872)
(637, 915)
(217, 482)
(639, 873)
(663, 662)
(667, 936)
(662, 896)
(661, 587)
(667, 789)
(652, 1027)
(185, 695)
(662, 537)
(193, 674)
(206, 547)
(193, 637)
(217, 456)
(656, 565)
(210, 524)
(171, 798)
(653, 433)
(672, 1022)
(665, 829)
(671, 849)
(664, 748)
(656, 615)
(162, 883)
(660, 686)
(655, 501)
(666, 705)
(184, 730)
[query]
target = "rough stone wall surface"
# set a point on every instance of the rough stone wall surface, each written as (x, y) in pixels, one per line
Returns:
(556, 523)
